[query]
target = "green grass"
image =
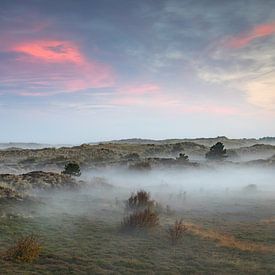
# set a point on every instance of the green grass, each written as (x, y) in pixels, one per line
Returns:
(94, 244)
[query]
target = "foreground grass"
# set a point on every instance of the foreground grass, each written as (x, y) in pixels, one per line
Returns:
(94, 244)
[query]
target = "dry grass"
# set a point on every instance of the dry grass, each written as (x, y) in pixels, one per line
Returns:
(228, 241)
(270, 220)
(26, 249)
(141, 219)
(139, 201)
(176, 231)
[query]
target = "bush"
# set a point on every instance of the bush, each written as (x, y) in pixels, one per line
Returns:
(216, 152)
(176, 231)
(26, 249)
(139, 201)
(72, 169)
(183, 157)
(141, 220)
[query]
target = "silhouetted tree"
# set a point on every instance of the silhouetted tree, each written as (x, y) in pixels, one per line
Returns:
(217, 152)
(72, 169)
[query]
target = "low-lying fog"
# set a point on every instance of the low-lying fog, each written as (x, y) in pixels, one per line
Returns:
(221, 189)
(193, 181)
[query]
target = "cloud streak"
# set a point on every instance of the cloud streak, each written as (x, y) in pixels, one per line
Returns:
(52, 67)
(244, 39)
(52, 51)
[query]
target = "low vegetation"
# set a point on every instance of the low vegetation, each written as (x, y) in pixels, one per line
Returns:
(229, 241)
(139, 201)
(26, 249)
(216, 152)
(142, 211)
(37, 180)
(141, 166)
(144, 219)
(220, 234)
(176, 231)
(183, 157)
(72, 169)
(9, 193)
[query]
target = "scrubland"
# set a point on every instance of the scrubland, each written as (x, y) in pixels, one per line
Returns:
(166, 217)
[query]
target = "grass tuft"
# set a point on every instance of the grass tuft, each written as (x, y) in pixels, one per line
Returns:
(26, 249)
(176, 231)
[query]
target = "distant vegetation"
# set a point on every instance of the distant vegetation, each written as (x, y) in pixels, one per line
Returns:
(183, 157)
(216, 152)
(267, 138)
(141, 166)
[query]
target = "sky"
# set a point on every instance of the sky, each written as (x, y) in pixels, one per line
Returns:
(76, 71)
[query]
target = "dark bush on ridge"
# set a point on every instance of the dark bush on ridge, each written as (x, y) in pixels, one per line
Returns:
(183, 157)
(72, 169)
(216, 152)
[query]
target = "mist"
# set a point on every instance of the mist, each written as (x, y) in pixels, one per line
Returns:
(85, 216)
(104, 191)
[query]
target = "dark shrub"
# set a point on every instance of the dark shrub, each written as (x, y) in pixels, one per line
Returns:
(183, 157)
(216, 152)
(72, 169)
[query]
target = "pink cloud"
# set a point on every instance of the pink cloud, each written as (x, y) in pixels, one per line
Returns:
(258, 31)
(47, 67)
(51, 51)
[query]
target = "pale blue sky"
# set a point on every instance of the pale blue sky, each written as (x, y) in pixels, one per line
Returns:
(81, 71)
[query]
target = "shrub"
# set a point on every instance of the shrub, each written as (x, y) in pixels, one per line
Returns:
(176, 231)
(139, 201)
(9, 193)
(26, 249)
(72, 169)
(141, 220)
(183, 157)
(216, 152)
